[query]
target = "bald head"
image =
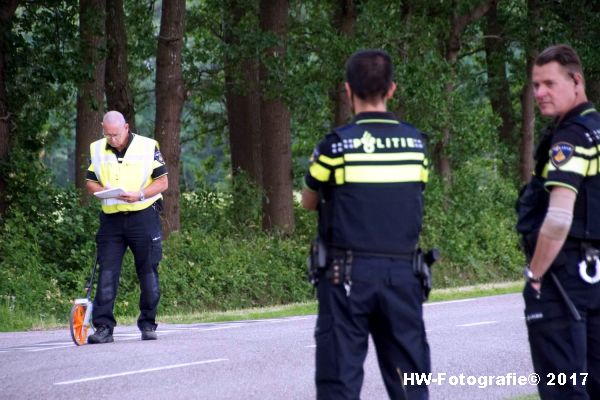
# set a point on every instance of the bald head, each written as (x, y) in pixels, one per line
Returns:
(113, 118)
(115, 129)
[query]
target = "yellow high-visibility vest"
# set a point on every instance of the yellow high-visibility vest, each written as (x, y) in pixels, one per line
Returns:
(132, 174)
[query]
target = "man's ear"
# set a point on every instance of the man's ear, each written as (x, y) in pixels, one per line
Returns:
(577, 78)
(391, 91)
(348, 91)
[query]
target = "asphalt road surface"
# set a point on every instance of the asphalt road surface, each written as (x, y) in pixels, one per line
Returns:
(264, 359)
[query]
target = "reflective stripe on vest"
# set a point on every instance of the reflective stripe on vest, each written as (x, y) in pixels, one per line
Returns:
(132, 174)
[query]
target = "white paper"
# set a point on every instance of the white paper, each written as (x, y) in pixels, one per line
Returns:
(109, 193)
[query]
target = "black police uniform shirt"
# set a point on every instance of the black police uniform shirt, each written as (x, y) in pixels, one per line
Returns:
(370, 176)
(573, 163)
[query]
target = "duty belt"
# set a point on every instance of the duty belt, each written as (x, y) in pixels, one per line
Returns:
(341, 260)
(333, 251)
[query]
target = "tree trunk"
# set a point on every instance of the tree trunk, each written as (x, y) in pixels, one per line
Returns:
(403, 49)
(7, 10)
(498, 86)
(452, 48)
(170, 96)
(90, 97)
(527, 99)
(278, 211)
(343, 20)
(118, 91)
(243, 100)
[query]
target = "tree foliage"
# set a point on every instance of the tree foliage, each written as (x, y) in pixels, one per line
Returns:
(461, 68)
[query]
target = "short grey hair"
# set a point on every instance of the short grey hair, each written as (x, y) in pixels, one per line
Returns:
(113, 118)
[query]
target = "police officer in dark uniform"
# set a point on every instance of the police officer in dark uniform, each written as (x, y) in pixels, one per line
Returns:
(131, 219)
(366, 181)
(559, 219)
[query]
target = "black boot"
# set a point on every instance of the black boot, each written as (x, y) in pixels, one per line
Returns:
(103, 335)
(149, 334)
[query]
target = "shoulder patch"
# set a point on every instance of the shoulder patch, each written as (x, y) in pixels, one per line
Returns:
(158, 156)
(561, 153)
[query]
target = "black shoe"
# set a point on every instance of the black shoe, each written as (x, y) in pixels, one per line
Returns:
(103, 335)
(149, 334)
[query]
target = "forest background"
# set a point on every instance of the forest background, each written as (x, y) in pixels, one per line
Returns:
(238, 92)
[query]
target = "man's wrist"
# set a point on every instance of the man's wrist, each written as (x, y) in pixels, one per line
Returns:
(530, 277)
(142, 197)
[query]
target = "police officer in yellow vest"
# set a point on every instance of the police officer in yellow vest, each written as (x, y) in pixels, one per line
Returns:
(366, 181)
(133, 163)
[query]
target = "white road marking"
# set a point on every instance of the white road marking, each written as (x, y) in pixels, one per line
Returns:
(23, 348)
(479, 323)
(141, 371)
(216, 328)
(53, 343)
(441, 303)
(311, 346)
(31, 350)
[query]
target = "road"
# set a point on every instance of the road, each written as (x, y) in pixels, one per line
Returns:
(262, 359)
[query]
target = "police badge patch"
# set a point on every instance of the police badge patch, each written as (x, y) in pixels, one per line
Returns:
(562, 153)
(158, 156)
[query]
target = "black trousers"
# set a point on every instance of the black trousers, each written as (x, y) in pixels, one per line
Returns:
(385, 301)
(565, 351)
(140, 231)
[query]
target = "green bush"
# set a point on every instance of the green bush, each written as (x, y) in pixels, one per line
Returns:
(221, 259)
(47, 240)
(473, 225)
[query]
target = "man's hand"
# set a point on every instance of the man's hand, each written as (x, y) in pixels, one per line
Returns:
(310, 199)
(130, 197)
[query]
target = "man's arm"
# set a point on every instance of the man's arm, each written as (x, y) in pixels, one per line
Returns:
(554, 231)
(157, 186)
(310, 199)
(93, 186)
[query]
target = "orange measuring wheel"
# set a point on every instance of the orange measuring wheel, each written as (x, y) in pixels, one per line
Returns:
(81, 313)
(78, 324)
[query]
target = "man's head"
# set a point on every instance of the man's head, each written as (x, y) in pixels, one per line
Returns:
(115, 129)
(369, 76)
(558, 81)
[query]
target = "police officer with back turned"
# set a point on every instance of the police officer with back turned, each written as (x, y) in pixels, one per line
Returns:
(133, 163)
(366, 181)
(559, 220)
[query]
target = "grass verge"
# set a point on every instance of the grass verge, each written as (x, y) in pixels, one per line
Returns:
(17, 320)
(527, 397)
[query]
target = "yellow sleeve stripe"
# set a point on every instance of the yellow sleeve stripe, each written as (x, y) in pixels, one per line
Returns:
(577, 165)
(384, 156)
(593, 167)
(384, 173)
(331, 161)
(593, 151)
(554, 183)
(425, 175)
(339, 176)
(319, 172)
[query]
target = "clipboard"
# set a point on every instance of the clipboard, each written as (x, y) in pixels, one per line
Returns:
(109, 193)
